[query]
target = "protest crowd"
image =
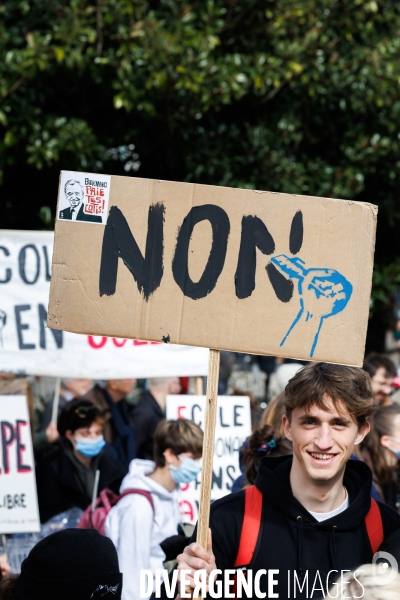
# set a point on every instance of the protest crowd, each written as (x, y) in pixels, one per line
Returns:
(112, 450)
(199, 300)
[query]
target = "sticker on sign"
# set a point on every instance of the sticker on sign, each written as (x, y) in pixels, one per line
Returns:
(83, 197)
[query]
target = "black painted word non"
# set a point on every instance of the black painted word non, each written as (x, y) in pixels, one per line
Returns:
(148, 270)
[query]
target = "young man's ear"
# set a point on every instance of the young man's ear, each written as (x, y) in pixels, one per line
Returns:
(287, 428)
(69, 435)
(363, 430)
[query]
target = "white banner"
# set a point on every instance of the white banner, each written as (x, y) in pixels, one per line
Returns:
(18, 496)
(28, 347)
(232, 428)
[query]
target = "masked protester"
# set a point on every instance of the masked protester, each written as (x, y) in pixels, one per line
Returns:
(139, 523)
(381, 451)
(66, 476)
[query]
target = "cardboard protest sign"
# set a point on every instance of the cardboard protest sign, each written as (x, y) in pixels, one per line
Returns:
(18, 497)
(224, 268)
(233, 426)
(27, 346)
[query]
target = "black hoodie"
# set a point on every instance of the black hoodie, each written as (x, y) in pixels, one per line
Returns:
(291, 540)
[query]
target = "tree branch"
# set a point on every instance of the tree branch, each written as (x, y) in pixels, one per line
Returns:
(14, 87)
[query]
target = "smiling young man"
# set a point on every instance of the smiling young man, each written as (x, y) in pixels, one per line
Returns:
(315, 504)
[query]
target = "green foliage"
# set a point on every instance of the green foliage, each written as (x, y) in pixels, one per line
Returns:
(299, 96)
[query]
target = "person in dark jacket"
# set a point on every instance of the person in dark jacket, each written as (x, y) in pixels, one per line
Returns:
(118, 431)
(71, 564)
(66, 476)
(150, 411)
(314, 503)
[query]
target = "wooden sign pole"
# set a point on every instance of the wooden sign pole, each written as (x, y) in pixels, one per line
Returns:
(208, 448)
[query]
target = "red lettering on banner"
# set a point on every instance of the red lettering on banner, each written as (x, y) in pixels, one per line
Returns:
(187, 509)
(118, 342)
(96, 345)
(21, 448)
(180, 412)
(7, 440)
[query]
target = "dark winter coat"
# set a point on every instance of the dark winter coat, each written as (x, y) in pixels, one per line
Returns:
(60, 483)
(145, 418)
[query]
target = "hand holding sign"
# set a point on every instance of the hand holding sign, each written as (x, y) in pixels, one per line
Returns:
(323, 293)
(195, 558)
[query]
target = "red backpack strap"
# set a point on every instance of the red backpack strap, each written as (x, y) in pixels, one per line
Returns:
(141, 493)
(253, 501)
(373, 523)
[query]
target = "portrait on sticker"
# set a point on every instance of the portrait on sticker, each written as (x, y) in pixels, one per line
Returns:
(84, 197)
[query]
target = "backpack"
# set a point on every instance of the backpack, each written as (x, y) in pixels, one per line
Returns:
(95, 519)
(253, 501)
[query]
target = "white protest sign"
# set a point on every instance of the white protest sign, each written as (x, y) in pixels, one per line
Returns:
(18, 497)
(28, 347)
(232, 428)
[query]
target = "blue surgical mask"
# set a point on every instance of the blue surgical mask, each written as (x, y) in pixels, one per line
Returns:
(90, 447)
(187, 470)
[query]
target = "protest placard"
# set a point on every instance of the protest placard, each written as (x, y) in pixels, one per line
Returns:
(28, 347)
(18, 497)
(222, 268)
(233, 426)
(218, 267)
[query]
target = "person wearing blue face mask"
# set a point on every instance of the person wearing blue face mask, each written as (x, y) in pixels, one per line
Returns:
(381, 451)
(139, 523)
(66, 476)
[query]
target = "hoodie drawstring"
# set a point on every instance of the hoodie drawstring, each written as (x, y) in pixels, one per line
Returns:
(300, 542)
(332, 547)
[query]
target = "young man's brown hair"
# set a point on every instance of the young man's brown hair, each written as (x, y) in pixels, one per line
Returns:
(180, 436)
(350, 386)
